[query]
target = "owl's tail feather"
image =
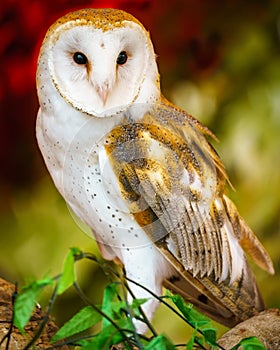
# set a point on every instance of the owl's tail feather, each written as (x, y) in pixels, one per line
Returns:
(226, 304)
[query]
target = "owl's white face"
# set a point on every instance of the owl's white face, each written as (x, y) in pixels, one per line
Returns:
(101, 72)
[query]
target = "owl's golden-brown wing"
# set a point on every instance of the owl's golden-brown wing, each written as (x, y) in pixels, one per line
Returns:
(173, 183)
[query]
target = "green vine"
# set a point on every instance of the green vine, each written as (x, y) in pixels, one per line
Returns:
(115, 315)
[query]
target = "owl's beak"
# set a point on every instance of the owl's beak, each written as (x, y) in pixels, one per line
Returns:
(103, 92)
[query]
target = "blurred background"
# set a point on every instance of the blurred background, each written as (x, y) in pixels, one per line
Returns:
(219, 60)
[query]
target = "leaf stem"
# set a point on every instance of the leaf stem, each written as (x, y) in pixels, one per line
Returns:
(128, 310)
(105, 268)
(88, 302)
(161, 299)
(145, 319)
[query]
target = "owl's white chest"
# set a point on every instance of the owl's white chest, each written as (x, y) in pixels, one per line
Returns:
(80, 167)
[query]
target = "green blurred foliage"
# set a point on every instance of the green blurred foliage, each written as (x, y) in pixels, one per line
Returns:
(237, 96)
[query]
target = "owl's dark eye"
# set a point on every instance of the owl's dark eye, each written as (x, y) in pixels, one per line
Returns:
(80, 58)
(122, 58)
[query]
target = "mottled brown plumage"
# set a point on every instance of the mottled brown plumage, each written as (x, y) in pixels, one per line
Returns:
(149, 186)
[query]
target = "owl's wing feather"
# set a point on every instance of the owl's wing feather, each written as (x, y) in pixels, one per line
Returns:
(173, 183)
(205, 279)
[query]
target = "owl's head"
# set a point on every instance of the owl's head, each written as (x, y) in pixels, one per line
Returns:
(100, 61)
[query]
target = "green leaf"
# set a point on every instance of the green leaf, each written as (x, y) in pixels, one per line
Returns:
(210, 335)
(197, 320)
(161, 342)
(114, 308)
(76, 252)
(192, 315)
(136, 303)
(108, 336)
(110, 305)
(68, 273)
(195, 339)
(81, 321)
(191, 342)
(250, 343)
(89, 344)
(26, 300)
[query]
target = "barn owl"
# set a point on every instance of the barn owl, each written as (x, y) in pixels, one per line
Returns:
(139, 171)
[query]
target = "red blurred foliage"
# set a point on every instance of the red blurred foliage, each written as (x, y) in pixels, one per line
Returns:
(186, 33)
(24, 23)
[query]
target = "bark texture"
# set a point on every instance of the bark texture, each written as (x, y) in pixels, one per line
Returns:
(10, 337)
(265, 326)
